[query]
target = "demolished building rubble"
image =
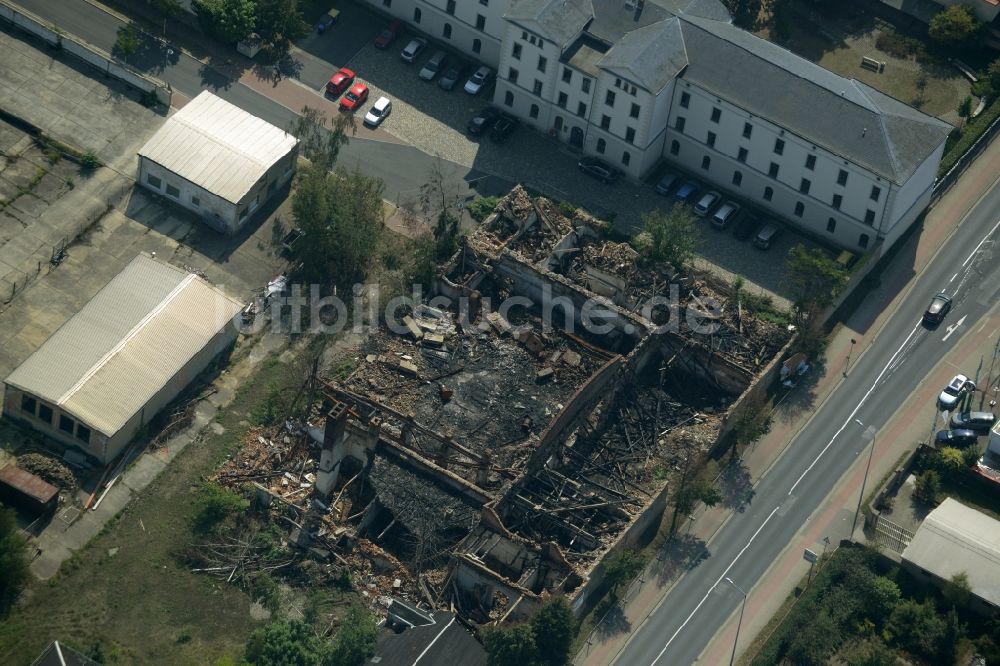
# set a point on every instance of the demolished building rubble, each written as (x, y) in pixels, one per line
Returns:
(482, 459)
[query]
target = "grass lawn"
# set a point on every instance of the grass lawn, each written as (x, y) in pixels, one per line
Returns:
(127, 589)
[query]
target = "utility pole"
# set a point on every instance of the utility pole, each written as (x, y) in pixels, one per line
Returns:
(847, 366)
(736, 640)
(869, 435)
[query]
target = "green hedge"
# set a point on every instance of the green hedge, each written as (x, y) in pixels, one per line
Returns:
(969, 135)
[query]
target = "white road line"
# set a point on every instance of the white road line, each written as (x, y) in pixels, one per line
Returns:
(953, 278)
(856, 409)
(719, 580)
(972, 254)
(954, 327)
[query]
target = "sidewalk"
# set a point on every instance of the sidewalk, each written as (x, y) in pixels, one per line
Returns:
(864, 326)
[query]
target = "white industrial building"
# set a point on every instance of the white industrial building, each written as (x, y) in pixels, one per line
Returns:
(217, 160)
(956, 539)
(123, 357)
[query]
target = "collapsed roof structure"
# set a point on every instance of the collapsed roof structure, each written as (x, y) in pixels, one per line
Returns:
(527, 420)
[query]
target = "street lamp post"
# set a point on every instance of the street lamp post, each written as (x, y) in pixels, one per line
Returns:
(736, 640)
(847, 366)
(869, 434)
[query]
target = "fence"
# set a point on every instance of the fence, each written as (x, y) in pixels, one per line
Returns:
(947, 180)
(97, 58)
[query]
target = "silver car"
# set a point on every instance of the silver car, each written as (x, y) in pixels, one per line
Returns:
(479, 79)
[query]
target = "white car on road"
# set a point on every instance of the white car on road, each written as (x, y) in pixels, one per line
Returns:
(378, 112)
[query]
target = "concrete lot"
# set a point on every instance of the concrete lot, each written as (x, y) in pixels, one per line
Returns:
(129, 224)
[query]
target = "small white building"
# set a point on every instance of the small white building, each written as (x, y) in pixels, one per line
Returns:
(122, 358)
(956, 539)
(217, 160)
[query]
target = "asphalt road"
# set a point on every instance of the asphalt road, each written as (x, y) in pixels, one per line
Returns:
(901, 357)
(402, 168)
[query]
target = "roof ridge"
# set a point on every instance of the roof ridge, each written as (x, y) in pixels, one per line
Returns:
(111, 353)
(215, 137)
(880, 115)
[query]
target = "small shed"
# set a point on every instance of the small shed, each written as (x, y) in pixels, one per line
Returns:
(23, 490)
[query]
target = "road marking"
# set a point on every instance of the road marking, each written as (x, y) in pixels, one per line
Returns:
(954, 327)
(953, 278)
(856, 409)
(719, 580)
(969, 258)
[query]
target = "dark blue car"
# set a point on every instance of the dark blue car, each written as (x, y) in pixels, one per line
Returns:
(687, 191)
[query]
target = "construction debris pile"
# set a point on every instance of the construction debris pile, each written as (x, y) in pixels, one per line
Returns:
(48, 469)
(481, 461)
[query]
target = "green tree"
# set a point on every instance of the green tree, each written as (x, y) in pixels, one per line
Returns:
(284, 643)
(868, 652)
(230, 20)
(129, 41)
(355, 639)
(554, 626)
(950, 461)
(965, 109)
(917, 627)
(445, 234)
(882, 598)
(928, 486)
(343, 219)
(816, 641)
(751, 423)
(279, 23)
(621, 567)
(320, 142)
(958, 590)
(481, 208)
(669, 237)
(13, 557)
(993, 74)
(511, 646)
(815, 279)
(955, 26)
(744, 12)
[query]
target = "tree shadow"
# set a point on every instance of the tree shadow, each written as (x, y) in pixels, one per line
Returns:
(214, 79)
(273, 70)
(613, 621)
(737, 486)
(154, 55)
(802, 396)
(679, 554)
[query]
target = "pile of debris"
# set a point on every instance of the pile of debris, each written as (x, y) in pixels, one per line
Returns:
(522, 225)
(48, 469)
(278, 459)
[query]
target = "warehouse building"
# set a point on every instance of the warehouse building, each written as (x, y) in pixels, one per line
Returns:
(956, 539)
(122, 358)
(217, 160)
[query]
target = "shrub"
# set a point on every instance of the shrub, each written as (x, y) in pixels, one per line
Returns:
(928, 486)
(482, 207)
(89, 161)
(13, 557)
(214, 503)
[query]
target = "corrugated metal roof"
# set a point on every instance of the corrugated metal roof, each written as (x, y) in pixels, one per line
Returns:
(218, 146)
(105, 363)
(29, 484)
(956, 539)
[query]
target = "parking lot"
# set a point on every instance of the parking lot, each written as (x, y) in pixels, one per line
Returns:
(434, 121)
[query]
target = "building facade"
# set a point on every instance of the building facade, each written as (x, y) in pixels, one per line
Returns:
(636, 83)
(218, 161)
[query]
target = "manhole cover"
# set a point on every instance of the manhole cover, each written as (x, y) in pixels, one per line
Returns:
(69, 515)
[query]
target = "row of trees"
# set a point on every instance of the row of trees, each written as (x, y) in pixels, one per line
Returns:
(276, 23)
(13, 558)
(285, 642)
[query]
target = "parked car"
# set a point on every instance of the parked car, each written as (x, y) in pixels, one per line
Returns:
(845, 260)
(412, 50)
(434, 66)
(378, 112)
(340, 81)
(687, 191)
(953, 392)
(327, 20)
(747, 227)
(727, 212)
(666, 183)
(388, 34)
(478, 80)
(766, 236)
(355, 97)
(503, 128)
(939, 307)
(599, 170)
(483, 120)
(706, 203)
(955, 438)
(455, 73)
(980, 422)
